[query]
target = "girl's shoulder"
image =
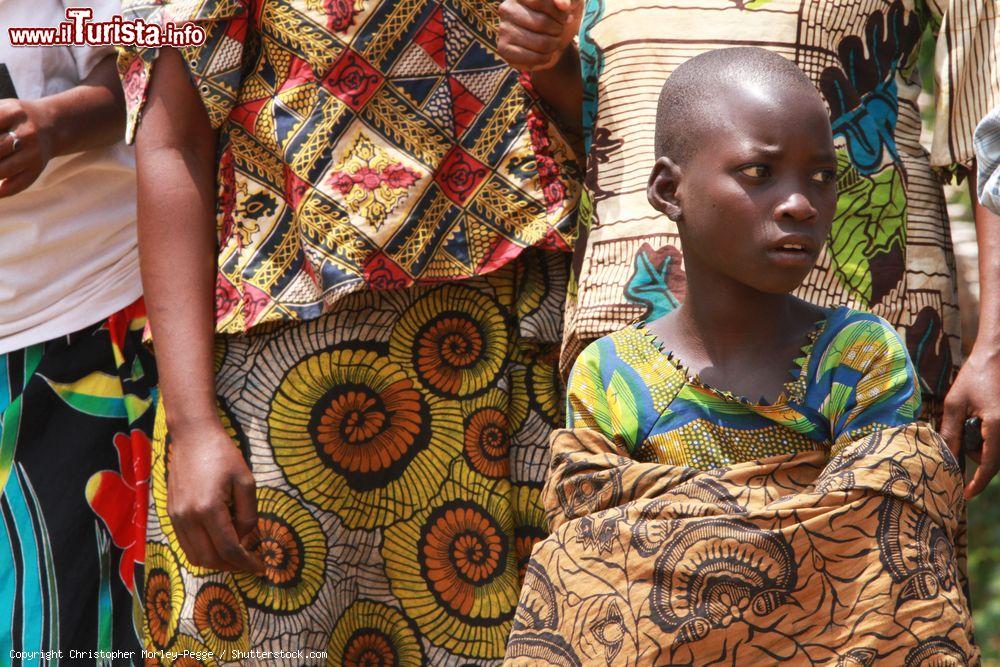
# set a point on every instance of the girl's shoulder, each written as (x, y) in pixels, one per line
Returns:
(859, 339)
(860, 375)
(631, 356)
(631, 345)
(619, 384)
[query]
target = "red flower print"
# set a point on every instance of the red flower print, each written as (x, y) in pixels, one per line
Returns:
(120, 498)
(353, 80)
(382, 273)
(460, 174)
(226, 296)
(255, 302)
(227, 197)
(134, 84)
(339, 14)
(548, 171)
(393, 175)
(398, 176)
(118, 326)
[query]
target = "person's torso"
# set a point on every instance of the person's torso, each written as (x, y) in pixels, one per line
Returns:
(663, 413)
(68, 254)
(374, 146)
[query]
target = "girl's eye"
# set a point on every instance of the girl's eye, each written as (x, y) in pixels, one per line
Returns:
(756, 171)
(826, 176)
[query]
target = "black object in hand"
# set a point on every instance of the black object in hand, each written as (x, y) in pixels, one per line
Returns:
(972, 435)
(7, 90)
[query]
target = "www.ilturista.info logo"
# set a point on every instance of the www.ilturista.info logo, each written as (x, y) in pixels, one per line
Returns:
(79, 30)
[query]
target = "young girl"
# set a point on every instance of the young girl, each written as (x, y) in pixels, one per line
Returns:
(811, 521)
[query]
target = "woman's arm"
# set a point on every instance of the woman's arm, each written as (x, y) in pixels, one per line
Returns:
(977, 387)
(561, 86)
(211, 494)
(90, 115)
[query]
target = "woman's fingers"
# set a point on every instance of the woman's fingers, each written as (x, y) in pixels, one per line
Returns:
(545, 45)
(18, 168)
(528, 40)
(9, 142)
(514, 13)
(955, 411)
(14, 184)
(244, 505)
(555, 10)
(533, 33)
(526, 60)
(989, 461)
(245, 521)
(208, 538)
(196, 544)
(222, 532)
(567, 6)
(15, 164)
(11, 114)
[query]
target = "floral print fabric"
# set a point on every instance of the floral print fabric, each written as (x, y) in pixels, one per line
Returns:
(75, 424)
(362, 146)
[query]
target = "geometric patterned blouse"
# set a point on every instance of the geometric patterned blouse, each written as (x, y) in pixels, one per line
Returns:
(854, 377)
(362, 145)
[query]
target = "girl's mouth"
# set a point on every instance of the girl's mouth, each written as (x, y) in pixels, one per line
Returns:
(792, 255)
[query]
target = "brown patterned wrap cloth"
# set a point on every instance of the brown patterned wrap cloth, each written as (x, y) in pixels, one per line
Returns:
(792, 559)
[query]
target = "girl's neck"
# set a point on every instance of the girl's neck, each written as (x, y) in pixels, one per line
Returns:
(723, 316)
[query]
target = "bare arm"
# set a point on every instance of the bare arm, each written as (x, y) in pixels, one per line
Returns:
(977, 387)
(88, 116)
(175, 164)
(561, 86)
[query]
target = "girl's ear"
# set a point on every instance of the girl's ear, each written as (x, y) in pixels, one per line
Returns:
(662, 188)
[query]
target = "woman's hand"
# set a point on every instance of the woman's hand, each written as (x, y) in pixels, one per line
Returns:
(211, 499)
(973, 395)
(31, 124)
(976, 391)
(88, 116)
(535, 33)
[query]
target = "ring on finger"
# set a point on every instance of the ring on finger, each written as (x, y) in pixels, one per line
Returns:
(15, 141)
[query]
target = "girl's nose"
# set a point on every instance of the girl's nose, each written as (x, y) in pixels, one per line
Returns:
(795, 206)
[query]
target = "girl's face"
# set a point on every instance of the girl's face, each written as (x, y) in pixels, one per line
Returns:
(756, 198)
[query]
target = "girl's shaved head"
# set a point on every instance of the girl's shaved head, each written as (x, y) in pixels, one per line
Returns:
(689, 100)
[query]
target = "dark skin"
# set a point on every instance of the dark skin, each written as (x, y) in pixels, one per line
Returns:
(211, 494)
(760, 186)
(535, 36)
(967, 397)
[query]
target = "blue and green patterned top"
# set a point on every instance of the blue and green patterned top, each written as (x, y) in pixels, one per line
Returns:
(854, 377)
